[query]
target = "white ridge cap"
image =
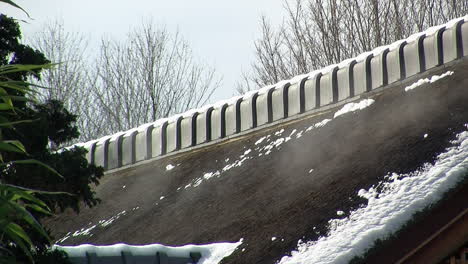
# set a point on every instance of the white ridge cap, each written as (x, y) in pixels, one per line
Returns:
(325, 70)
(117, 135)
(103, 139)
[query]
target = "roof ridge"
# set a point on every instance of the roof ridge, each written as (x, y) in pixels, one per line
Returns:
(303, 93)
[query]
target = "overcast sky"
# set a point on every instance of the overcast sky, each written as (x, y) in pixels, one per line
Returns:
(220, 32)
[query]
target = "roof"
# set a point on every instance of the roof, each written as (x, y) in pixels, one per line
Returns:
(342, 174)
(153, 253)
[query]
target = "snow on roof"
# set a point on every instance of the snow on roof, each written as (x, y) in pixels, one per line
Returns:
(280, 84)
(402, 195)
(210, 253)
(434, 78)
(387, 211)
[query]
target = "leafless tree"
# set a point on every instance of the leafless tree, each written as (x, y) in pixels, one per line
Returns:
(66, 80)
(69, 81)
(151, 75)
(316, 33)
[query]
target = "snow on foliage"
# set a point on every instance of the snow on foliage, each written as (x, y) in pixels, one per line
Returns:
(434, 78)
(386, 212)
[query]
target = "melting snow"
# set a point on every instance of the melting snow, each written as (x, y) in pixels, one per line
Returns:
(87, 231)
(434, 78)
(260, 140)
(386, 212)
(267, 147)
(169, 167)
(278, 133)
(322, 123)
(299, 134)
(351, 107)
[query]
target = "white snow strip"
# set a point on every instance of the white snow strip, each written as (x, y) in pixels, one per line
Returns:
(260, 140)
(279, 132)
(246, 152)
(322, 123)
(351, 107)
(299, 134)
(386, 212)
(87, 231)
(434, 78)
(211, 253)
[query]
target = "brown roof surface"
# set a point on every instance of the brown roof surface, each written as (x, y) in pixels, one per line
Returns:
(275, 195)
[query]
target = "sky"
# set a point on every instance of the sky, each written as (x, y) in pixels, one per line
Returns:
(221, 33)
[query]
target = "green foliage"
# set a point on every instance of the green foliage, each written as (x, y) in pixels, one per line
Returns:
(16, 205)
(15, 5)
(30, 134)
(55, 256)
(53, 127)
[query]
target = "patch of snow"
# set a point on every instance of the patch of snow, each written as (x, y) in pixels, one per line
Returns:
(433, 78)
(161, 198)
(339, 213)
(109, 221)
(273, 238)
(209, 175)
(311, 170)
(123, 187)
(387, 211)
(322, 123)
(426, 135)
(246, 152)
(169, 167)
(279, 132)
(299, 134)
(197, 182)
(260, 140)
(86, 231)
(210, 253)
(351, 107)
